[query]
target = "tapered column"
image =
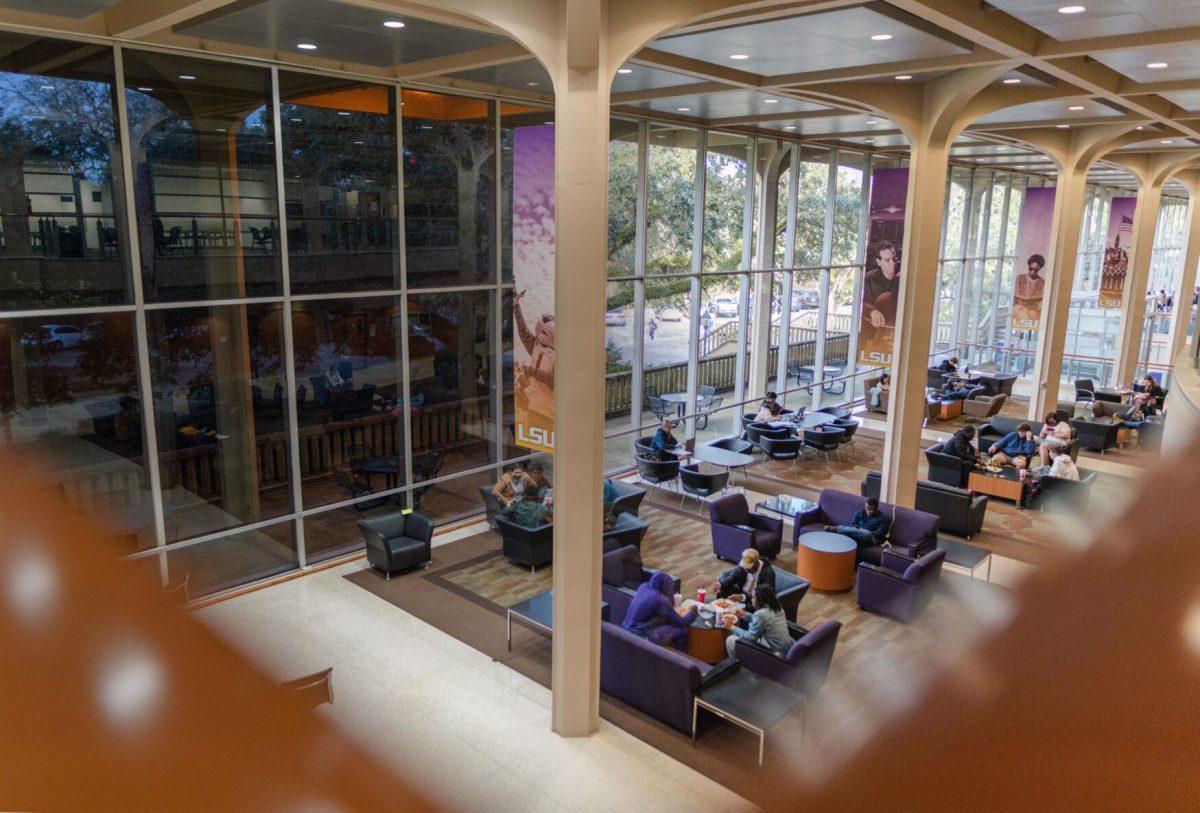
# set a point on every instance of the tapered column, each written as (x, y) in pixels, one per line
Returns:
(1133, 309)
(581, 84)
(914, 319)
(760, 324)
(1187, 279)
(1069, 200)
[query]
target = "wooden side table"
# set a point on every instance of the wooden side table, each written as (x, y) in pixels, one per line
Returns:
(707, 643)
(827, 560)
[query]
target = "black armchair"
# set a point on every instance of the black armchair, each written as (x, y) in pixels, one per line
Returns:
(491, 506)
(398, 541)
(702, 484)
(947, 468)
(960, 511)
(629, 497)
(785, 448)
(658, 472)
(623, 567)
(1095, 435)
(789, 589)
(531, 547)
(628, 530)
(1056, 494)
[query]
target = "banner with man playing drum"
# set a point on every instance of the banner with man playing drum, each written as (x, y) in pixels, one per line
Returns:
(1116, 252)
(533, 286)
(1033, 244)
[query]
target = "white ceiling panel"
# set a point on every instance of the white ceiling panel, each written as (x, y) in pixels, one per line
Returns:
(1049, 111)
(1102, 18)
(727, 105)
(1183, 62)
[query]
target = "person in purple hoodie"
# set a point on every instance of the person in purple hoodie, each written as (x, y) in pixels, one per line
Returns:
(652, 613)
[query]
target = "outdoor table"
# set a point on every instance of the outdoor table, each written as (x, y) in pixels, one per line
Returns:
(678, 400)
(389, 465)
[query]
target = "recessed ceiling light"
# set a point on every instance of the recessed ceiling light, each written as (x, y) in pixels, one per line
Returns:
(1166, 141)
(306, 46)
(872, 121)
(1012, 81)
(343, 113)
(47, 87)
(881, 37)
(220, 129)
(547, 122)
(146, 90)
(1072, 10)
(739, 56)
(1001, 149)
(868, 141)
(1140, 127)
(789, 127)
(683, 109)
(357, 142)
(904, 77)
(1062, 126)
(298, 120)
(624, 70)
(1156, 66)
(531, 84)
(770, 101)
(426, 126)
(1075, 107)
(187, 77)
(393, 24)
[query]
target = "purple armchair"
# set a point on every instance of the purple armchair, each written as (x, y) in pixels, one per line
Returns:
(734, 529)
(900, 588)
(623, 568)
(806, 664)
(912, 533)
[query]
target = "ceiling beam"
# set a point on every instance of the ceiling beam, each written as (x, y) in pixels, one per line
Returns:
(767, 117)
(133, 19)
(1044, 123)
(502, 54)
(697, 68)
(780, 11)
(433, 14)
(671, 91)
(1051, 48)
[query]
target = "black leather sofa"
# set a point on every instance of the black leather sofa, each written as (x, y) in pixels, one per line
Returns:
(1000, 425)
(1068, 496)
(945, 468)
(398, 541)
(961, 512)
(531, 547)
(997, 384)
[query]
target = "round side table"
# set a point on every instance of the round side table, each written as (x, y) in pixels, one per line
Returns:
(827, 560)
(707, 643)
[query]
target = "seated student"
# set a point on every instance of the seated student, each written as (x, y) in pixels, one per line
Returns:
(1055, 435)
(868, 527)
(768, 413)
(768, 624)
(953, 389)
(512, 486)
(652, 613)
(770, 398)
(959, 445)
(1015, 448)
(1151, 395)
(750, 572)
(949, 365)
(882, 387)
(538, 472)
(1064, 467)
(663, 444)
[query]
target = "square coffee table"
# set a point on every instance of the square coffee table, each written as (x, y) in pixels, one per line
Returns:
(968, 557)
(1005, 484)
(749, 701)
(786, 506)
(537, 613)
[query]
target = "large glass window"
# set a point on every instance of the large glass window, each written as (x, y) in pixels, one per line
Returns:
(671, 202)
(622, 196)
(69, 403)
(449, 189)
(220, 564)
(221, 415)
(203, 176)
(811, 197)
(724, 201)
(61, 199)
(348, 397)
(449, 347)
(340, 184)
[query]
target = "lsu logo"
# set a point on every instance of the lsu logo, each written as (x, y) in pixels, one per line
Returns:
(535, 436)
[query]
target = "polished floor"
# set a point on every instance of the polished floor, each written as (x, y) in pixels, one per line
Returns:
(464, 729)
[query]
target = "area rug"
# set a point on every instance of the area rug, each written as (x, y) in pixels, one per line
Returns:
(467, 589)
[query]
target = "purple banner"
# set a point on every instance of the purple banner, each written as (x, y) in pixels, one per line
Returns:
(881, 281)
(1033, 244)
(533, 285)
(1116, 252)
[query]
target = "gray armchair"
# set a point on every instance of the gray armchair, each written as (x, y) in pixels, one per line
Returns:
(398, 541)
(984, 406)
(629, 497)
(628, 530)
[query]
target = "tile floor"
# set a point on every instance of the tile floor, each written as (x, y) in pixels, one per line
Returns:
(466, 730)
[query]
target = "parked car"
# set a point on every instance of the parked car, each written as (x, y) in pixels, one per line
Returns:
(670, 314)
(726, 306)
(614, 318)
(805, 300)
(53, 337)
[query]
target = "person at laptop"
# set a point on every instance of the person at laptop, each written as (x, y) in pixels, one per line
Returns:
(868, 527)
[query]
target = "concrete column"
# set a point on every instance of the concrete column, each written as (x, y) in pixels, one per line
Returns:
(914, 318)
(1133, 310)
(1187, 279)
(1069, 202)
(581, 108)
(760, 326)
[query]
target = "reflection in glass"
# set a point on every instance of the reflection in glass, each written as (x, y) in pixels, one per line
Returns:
(61, 213)
(69, 403)
(449, 189)
(512, 116)
(339, 167)
(811, 194)
(220, 409)
(449, 346)
(221, 564)
(348, 397)
(332, 533)
(204, 177)
(724, 201)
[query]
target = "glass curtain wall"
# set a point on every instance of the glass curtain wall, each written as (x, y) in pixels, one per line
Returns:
(321, 326)
(1166, 267)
